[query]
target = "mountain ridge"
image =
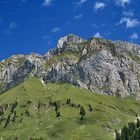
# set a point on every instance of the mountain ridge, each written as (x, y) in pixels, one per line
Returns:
(100, 65)
(27, 112)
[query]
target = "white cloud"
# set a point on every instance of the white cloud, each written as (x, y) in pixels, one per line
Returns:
(94, 25)
(47, 38)
(122, 2)
(12, 26)
(98, 35)
(128, 13)
(99, 5)
(78, 16)
(81, 2)
(56, 29)
(130, 23)
(47, 2)
(134, 36)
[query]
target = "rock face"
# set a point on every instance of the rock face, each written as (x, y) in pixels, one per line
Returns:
(103, 66)
(14, 71)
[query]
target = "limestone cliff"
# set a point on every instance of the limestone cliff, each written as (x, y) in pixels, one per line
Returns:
(100, 65)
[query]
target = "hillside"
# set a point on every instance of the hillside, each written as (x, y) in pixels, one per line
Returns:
(26, 113)
(65, 94)
(99, 65)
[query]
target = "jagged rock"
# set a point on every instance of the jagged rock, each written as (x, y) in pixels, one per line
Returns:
(13, 71)
(103, 66)
(69, 38)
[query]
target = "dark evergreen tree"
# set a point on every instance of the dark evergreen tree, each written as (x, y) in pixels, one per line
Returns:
(39, 105)
(131, 129)
(29, 102)
(50, 102)
(1, 111)
(90, 108)
(14, 106)
(57, 105)
(2, 119)
(68, 101)
(58, 114)
(118, 137)
(27, 113)
(20, 120)
(138, 123)
(130, 132)
(82, 113)
(7, 121)
(124, 133)
(14, 117)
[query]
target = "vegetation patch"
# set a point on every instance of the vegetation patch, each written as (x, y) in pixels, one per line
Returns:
(63, 112)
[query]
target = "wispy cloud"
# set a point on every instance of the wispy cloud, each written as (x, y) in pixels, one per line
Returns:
(47, 38)
(78, 16)
(80, 3)
(134, 36)
(12, 26)
(128, 13)
(47, 2)
(99, 5)
(94, 25)
(56, 29)
(122, 3)
(98, 35)
(129, 22)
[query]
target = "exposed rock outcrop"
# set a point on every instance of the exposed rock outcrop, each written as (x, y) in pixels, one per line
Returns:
(14, 71)
(103, 66)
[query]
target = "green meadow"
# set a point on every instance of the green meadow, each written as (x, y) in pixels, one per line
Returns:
(29, 113)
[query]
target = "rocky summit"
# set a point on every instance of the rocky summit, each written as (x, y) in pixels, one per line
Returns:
(99, 65)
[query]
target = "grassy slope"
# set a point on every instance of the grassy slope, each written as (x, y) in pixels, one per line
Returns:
(108, 113)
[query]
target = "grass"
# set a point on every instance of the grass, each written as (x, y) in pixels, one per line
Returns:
(108, 113)
(135, 58)
(61, 57)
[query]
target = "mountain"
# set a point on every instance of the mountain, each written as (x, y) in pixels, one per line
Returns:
(99, 65)
(65, 94)
(28, 112)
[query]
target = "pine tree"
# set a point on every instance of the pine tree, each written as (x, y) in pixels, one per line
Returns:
(68, 101)
(124, 133)
(39, 105)
(82, 113)
(90, 108)
(7, 121)
(57, 106)
(118, 137)
(130, 132)
(14, 117)
(138, 123)
(1, 111)
(14, 106)
(58, 114)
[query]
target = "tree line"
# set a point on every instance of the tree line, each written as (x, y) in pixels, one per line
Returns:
(129, 132)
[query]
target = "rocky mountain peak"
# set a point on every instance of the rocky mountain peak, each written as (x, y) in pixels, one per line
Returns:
(96, 64)
(69, 38)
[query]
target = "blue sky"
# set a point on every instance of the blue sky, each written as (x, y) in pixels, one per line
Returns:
(35, 25)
